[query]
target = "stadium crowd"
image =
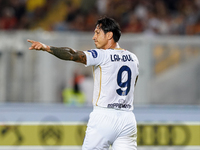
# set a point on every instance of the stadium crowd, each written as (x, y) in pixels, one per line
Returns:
(163, 17)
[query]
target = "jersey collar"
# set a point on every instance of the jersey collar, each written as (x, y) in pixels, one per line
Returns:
(118, 47)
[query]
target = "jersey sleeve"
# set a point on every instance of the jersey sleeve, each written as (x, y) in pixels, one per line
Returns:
(94, 57)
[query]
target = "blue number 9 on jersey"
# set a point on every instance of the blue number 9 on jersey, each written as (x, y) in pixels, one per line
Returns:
(126, 84)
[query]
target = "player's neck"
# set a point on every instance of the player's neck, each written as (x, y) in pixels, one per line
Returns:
(112, 45)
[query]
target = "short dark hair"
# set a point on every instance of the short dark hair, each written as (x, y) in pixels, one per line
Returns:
(110, 25)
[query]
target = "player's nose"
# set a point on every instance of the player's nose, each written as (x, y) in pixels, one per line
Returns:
(94, 37)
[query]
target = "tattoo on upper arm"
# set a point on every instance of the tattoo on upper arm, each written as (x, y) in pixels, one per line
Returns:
(67, 53)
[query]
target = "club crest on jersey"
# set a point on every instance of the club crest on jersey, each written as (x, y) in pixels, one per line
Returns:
(94, 53)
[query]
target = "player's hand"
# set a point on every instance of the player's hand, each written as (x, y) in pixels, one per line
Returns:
(38, 45)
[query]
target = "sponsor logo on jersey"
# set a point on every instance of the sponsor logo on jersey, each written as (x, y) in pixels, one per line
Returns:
(119, 106)
(123, 58)
(122, 104)
(94, 53)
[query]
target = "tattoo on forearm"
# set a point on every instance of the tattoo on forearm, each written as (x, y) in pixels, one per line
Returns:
(67, 53)
(62, 52)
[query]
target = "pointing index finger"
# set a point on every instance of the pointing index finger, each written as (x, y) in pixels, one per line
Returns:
(31, 41)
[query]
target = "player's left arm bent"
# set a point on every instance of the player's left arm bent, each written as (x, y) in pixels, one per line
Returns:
(136, 80)
(64, 53)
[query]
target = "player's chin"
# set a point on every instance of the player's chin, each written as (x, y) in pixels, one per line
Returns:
(96, 45)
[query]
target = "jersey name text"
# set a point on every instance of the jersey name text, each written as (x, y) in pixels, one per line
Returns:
(123, 58)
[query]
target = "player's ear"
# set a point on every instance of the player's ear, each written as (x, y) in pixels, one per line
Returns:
(109, 35)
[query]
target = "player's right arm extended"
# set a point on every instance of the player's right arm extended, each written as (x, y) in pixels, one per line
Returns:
(64, 53)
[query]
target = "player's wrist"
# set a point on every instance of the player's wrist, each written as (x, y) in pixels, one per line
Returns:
(45, 47)
(48, 48)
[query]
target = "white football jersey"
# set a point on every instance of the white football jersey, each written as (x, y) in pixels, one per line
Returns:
(115, 72)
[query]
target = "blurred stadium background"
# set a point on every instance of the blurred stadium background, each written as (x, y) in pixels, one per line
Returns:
(35, 112)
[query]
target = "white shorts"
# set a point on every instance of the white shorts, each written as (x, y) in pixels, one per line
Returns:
(110, 127)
